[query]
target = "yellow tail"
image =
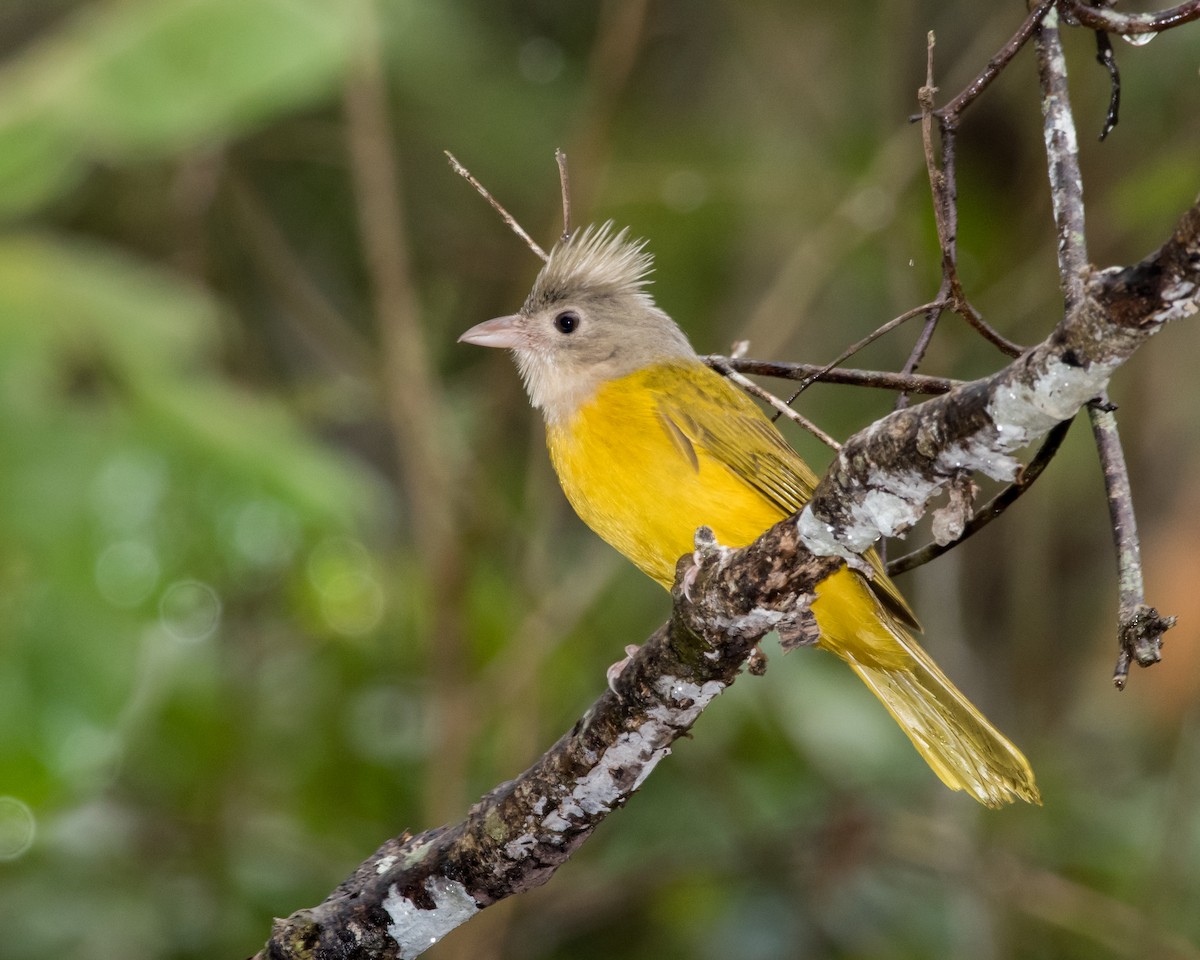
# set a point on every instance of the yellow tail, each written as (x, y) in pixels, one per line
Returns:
(955, 739)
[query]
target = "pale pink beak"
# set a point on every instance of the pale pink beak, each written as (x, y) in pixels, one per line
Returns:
(501, 332)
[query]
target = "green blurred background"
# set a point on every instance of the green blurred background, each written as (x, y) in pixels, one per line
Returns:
(283, 569)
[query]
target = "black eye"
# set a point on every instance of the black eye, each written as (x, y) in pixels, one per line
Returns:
(567, 321)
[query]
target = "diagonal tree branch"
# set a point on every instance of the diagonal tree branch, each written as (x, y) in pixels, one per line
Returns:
(415, 889)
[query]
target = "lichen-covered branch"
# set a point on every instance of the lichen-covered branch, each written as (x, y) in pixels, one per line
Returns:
(1131, 24)
(884, 476)
(990, 510)
(1062, 154)
(1139, 626)
(415, 889)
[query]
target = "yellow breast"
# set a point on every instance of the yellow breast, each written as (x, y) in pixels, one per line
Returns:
(643, 486)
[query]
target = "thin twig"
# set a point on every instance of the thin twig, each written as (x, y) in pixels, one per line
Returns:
(1108, 59)
(943, 185)
(1132, 24)
(504, 214)
(951, 111)
(1062, 154)
(565, 183)
(917, 354)
(855, 347)
(755, 390)
(965, 309)
(810, 372)
(1139, 627)
(944, 215)
(937, 178)
(990, 510)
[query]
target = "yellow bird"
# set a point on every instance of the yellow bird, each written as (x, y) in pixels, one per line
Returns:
(649, 444)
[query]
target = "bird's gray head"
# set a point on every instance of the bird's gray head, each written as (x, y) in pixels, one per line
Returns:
(588, 320)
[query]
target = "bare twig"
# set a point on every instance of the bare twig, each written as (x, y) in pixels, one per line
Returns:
(945, 214)
(917, 354)
(1062, 153)
(755, 390)
(943, 185)
(944, 203)
(1139, 627)
(504, 214)
(811, 372)
(565, 183)
(819, 372)
(1107, 59)
(965, 309)
(951, 111)
(1131, 24)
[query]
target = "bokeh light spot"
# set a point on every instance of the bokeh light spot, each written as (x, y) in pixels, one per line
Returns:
(17, 828)
(126, 572)
(540, 60)
(348, 588)
(266, 533)
(128, 489)
(190, 611)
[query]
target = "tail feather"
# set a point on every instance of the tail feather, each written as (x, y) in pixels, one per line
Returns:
(955, 739)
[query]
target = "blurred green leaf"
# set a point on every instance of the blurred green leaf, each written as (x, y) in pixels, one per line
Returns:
(72, 309)
(143, 78)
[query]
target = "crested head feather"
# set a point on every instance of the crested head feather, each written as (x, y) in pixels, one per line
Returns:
(593, 263)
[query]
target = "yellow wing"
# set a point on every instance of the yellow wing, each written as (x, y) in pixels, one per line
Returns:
(721, 421)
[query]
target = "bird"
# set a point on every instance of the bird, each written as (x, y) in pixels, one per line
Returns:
(650, 443)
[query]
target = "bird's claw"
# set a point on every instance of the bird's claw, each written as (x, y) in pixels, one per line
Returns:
(618, 668)
(690, 574)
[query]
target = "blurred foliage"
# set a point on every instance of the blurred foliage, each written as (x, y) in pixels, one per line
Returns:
(263, 604)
